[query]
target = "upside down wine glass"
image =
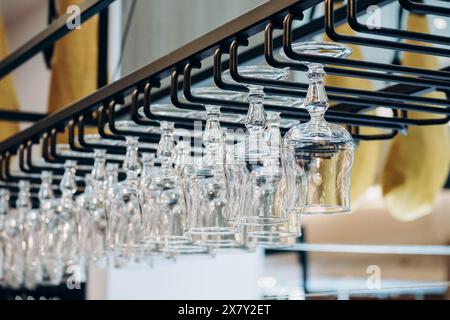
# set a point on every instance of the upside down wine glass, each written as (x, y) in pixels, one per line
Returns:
(205, 190)
(255, 175)
(321, 150)
(165, 207)
(129, 205)
(13, 258)
(91, 206)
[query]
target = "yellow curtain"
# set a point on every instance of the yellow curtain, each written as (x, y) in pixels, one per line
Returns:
(8, 98)
(367, 153)
(74, 64)
(417, 164)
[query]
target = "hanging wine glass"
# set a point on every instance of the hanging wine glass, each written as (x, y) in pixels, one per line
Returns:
(274, 140)
(182, 156)
(255, 175)
(13, 255)
(113, 218)
(27, 250)
(67, 228)
(52, 263)
(148, 170)
(4, 209)
(91, 207)
(165, 207)
(205, 190)
(269, 182)
(30, 244)
(321, 150)
(128, 203)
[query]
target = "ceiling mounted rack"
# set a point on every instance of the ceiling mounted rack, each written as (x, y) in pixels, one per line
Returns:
(281, 22)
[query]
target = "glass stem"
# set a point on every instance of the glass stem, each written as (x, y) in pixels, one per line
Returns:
(212, 137)
(23, 203)
(256, 117)
(68, 184)
(98, 171)
(46, 191)
(316, 101)
(131, 163)
(4, 202)
(166, 147)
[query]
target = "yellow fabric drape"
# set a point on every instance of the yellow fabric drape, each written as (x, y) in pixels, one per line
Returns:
(417, 164)
(367, 153)
(8, 98)
(74, 64)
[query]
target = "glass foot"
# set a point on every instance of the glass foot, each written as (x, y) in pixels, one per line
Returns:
(213, 237)
(322, 209)
(327, 49)
(268, 239)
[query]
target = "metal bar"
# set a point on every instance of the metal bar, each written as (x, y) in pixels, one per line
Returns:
(102, 64)
(332, 34)
(46, 38)
(310, 29)
(239, 28)
(385, 96)
(357, 26)
(7, 115)
(397, 88)
(432, 78)
(438, 250)
(338, 98)
(424, 8)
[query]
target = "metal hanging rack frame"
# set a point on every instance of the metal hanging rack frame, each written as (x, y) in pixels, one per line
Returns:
(227, 47)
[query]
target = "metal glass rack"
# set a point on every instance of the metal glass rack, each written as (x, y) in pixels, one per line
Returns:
(227, 47)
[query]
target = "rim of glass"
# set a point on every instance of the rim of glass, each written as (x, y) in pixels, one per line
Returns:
(214, 92)
(130, 125)
(260, 72)
(327, 49)
(97, 139)
(169, 110)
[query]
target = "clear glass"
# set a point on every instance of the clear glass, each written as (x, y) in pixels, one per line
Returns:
(321, 150)
(260, 72)
(254, 173)
(13, 257)
(52, 263)
(205, 190)
(30, 233)
(165, 208)
(91, 206)
(4, 209)
(132, 126)
(67, 229)
(128, 203)
(115, 222)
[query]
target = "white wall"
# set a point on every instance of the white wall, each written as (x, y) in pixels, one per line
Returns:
(225, 276)
(161, 26)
